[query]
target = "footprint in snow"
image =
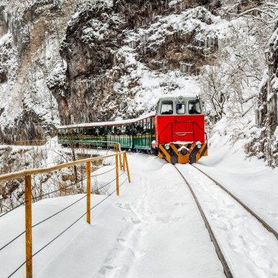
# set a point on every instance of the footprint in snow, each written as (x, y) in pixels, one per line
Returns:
(132, 220)
(180, 204)
(124, 206)
(168, 219)
(107, 269)
(121, 240)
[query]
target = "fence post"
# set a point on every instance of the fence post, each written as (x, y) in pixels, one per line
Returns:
(127, 167)
(120, 156)
(124, 166)
(28, 226)
(89, 190)
(117, 174)
(121, 161)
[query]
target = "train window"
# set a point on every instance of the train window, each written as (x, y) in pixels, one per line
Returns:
(145, 124)
(194, 107)
(117, 130)
(149, 124)
(123, 129)
(88, 131)
(157, 108)
(129, 129)
(105, 130)
(133, 129)
(167, 107)
(180, 108)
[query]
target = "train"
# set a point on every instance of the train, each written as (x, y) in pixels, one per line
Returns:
(176, 132)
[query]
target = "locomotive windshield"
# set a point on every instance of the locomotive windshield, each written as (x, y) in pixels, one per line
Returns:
(194, 107)
(167, 107)
(180, 108)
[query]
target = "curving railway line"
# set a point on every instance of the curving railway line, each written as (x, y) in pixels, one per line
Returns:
(218, 249)
(266, 225)
(221, 253)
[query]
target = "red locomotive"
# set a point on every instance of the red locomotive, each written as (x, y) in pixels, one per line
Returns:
(180, 130)
(176, 132)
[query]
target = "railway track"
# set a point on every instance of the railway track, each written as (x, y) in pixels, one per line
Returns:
(228, 272)
(265, 225)
(217, 247)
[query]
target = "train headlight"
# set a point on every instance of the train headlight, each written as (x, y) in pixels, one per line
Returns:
(199, 145)
(183, 150)
(167, 146)
(154, 144)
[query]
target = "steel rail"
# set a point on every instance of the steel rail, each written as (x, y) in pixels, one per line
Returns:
(265, 225)
(226, 268)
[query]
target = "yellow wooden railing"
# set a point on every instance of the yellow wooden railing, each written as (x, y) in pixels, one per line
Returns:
(121, 162)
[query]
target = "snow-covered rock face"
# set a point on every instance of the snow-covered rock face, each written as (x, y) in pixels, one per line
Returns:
(71, 61)
(118, 66)
(29, 50)
(92, 39)
(178, 41)
(264, 139)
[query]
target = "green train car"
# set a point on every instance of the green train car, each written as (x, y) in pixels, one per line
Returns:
(136, 134)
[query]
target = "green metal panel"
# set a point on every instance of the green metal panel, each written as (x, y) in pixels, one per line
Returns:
(124, 140)
(143, 142)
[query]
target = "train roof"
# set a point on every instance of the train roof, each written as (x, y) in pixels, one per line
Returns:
(179, 97)
(109, 123)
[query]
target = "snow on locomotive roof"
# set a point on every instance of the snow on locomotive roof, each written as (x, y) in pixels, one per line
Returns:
(179, 97)
(109, 123)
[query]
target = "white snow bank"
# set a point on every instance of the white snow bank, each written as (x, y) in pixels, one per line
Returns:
(250, 250)
(247, 178)
(152, 230)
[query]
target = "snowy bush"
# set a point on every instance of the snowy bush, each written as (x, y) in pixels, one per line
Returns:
(230, 87)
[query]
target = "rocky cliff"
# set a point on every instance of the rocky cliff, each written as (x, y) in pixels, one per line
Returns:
(30, 36)
(264, 140)
(70, 62)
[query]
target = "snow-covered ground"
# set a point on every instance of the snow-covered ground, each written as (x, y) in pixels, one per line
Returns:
(152, 230)
(247, 178)
(250, 250)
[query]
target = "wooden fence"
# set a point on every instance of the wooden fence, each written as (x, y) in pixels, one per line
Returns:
(121, 162)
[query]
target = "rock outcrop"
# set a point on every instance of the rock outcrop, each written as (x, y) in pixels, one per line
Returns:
(29, 50)
(73, 61)
(264, 141)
